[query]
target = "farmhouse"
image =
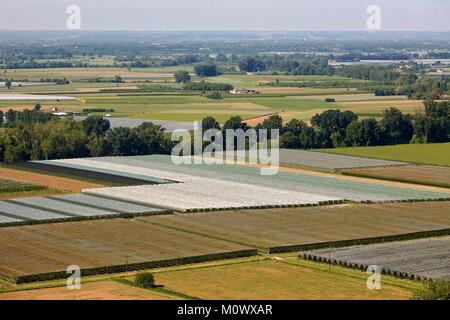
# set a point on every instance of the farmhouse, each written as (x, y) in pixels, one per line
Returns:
(243, 91)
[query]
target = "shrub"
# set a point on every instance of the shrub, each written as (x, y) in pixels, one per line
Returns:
(145, 280)
(214, 95)
(433, 290)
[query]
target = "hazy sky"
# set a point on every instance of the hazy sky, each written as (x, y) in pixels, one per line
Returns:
(225, 14)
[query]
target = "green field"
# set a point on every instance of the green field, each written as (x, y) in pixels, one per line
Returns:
(9, 186)
(268, 277)
(176, 105)
(434, 154)
(286, 278)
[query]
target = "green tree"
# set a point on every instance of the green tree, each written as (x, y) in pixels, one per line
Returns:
(145, 280)
(210, 123)
(8, 84)
(332, 121)
(182, 76)
(96, 124)
(151, 139)
(289, 140)
(234, 123)
(295, 126)
(123, 141)
(362, 133)
(206, 70)
(222, 57)
(117, 79)
(396, 127)
(251, 64)
(433, 290)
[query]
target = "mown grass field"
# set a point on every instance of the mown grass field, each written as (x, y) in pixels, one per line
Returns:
(289, 279)
(434, 154)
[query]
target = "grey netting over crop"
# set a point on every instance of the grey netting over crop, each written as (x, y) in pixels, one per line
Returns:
(62, 207)
(284, 180)
(107, 204)
(27, 213)
(426, 258)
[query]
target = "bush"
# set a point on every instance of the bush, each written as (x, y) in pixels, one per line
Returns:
(433, 290)
(145, 280)
(207, 86)
(214, 95)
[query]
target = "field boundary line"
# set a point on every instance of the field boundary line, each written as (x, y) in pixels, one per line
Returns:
(82, 218)
(158, 290)
(137, 266)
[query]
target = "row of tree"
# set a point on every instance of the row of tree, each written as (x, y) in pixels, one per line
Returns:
(334, 128)
(35, 135)
(67, 138)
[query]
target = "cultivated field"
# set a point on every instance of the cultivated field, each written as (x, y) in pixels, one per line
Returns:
(107, 290)
(434, 154)
(420, 174)
(173, 104)
(291, 228)
(424, 258)
(328, 161)
(286, 188)
(50, 181)
(67, 208)
(10, 186)
(31, 253)
(289, 279)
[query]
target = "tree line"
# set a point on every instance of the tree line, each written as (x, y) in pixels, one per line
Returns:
(335, 128)
(35, 135)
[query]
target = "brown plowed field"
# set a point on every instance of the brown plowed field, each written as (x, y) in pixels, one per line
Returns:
(299, 226)
(108, 290)
(38, 249)
(429, 175)
(52, 182)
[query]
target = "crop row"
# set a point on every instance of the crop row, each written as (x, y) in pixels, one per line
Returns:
(66, 208)
(162, 166)
(94, 245)
(209, 194)
(293, 229)
(416, 259)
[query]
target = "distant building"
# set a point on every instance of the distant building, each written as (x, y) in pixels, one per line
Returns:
(243, 91)
(60, 114)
